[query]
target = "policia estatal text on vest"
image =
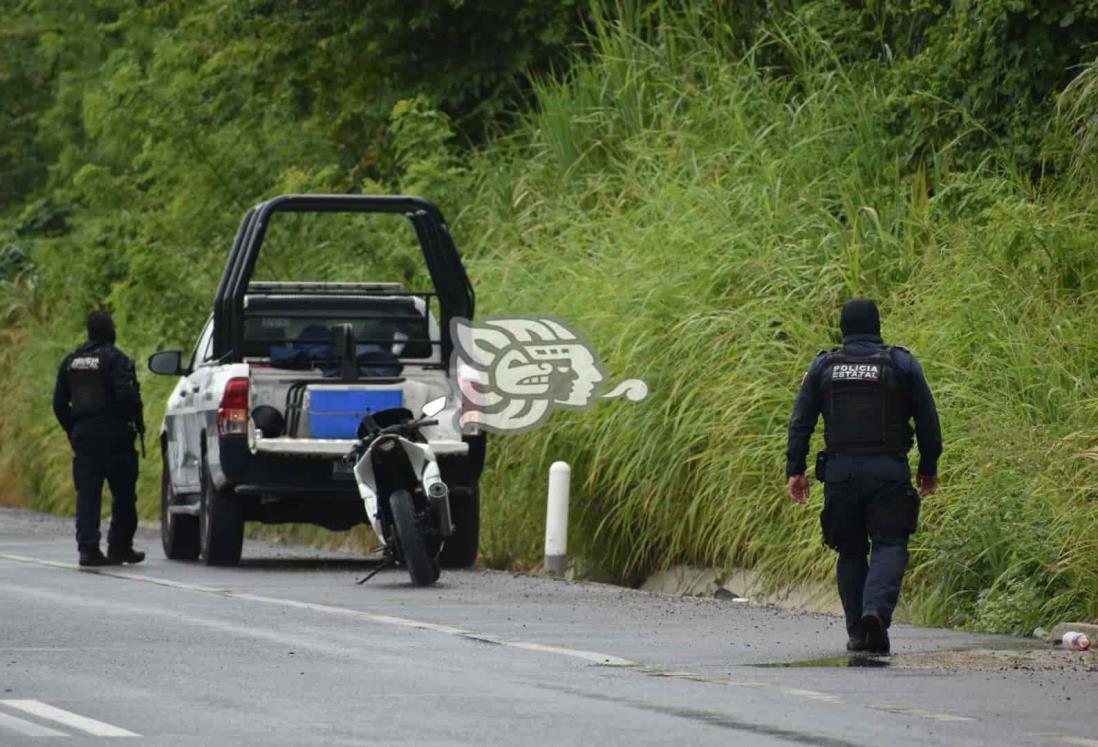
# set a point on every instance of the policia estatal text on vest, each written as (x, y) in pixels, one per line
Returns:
(868, 393)
(97, 401)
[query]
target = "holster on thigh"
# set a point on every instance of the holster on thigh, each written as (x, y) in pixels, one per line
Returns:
(894, 514)
(841, 523)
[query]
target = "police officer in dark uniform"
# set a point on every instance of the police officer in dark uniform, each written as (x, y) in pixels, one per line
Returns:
(868, 393)
(97, 401)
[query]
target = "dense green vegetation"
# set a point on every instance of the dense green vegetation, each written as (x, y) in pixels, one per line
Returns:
(696, 186)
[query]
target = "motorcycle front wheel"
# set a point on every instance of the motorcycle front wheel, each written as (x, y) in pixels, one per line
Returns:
(422, 567)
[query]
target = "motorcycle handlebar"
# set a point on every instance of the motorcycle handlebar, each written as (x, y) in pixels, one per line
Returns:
(407, 427)
(399, 428)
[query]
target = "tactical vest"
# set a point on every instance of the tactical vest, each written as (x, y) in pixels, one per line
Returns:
(865, 410)
(89, 390)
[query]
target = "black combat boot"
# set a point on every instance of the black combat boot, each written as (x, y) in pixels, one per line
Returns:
(93, 556)
(876, 635)
(125, 556)
(856, 643)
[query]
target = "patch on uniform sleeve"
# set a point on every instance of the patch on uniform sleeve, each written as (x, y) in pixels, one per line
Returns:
(856, 372)
(86, 363)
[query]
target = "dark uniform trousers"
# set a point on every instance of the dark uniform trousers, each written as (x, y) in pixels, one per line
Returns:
(870, 511)
(103, 450)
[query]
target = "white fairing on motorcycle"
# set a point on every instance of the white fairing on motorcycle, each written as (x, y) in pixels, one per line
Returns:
(423, 463)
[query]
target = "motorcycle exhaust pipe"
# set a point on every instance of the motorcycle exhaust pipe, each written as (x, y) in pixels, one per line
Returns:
(438, 497)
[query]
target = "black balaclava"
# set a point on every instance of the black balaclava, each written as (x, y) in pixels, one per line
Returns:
(101, 327)
(860, 317)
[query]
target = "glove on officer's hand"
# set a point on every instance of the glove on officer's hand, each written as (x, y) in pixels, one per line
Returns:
(798, 488)
(928, 484)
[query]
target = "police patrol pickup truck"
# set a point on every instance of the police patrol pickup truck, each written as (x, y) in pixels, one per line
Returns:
(268, 404)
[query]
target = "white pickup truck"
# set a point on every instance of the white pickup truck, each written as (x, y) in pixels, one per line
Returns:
(268, 404)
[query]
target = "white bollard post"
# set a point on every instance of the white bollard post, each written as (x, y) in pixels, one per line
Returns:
(556, 519)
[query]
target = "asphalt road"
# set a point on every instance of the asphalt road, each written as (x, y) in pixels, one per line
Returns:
(286, 649)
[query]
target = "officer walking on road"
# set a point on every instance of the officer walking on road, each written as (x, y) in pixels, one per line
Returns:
(867, 392)
(97, 401)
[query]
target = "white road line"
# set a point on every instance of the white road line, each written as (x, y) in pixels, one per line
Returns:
(68, 718)
(786, 690)
(1068, 739)
(115, 574)
(28, 728)
(291, 641)
(920, 713)
(593, 657)
(404, 622)
(811, 694)
(40, 649)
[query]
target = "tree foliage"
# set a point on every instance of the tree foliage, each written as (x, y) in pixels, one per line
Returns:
(116, 83)
(984, 75)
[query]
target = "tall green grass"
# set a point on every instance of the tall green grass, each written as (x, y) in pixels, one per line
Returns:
(701, 211)
(703, 217)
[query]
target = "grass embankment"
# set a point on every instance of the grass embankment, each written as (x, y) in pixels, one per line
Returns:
(703, 220)
(701, 217)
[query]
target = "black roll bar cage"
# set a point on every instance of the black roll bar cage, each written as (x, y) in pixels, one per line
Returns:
(452, 286)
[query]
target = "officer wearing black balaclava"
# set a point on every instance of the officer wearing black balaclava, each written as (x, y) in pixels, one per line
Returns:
(97, 401)
(868, 393)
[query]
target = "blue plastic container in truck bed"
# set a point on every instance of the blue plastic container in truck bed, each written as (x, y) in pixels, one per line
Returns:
(335, 412)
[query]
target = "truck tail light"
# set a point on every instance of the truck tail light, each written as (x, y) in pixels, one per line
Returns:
(232, 415)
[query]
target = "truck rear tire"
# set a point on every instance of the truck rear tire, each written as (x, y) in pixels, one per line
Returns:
(413, 547)
(221, 523)
(178, 532)
(460, 549)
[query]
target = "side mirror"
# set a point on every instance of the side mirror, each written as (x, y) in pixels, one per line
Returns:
(167, 363)
(434, 407)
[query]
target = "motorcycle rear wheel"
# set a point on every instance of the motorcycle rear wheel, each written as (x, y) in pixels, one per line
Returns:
(421, 565)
